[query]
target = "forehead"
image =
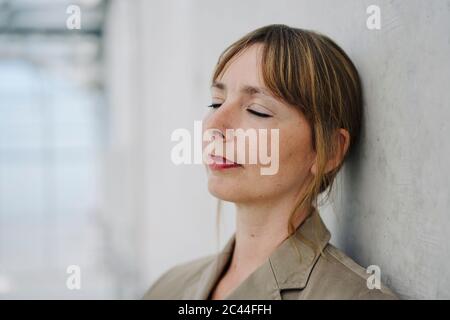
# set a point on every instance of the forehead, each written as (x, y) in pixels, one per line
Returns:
(244, 69)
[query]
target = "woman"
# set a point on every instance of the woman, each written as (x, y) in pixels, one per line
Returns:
(303, 85)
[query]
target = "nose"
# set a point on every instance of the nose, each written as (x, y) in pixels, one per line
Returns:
(215, 133)
(220, 119)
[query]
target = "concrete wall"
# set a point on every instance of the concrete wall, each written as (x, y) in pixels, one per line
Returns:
(392, 199)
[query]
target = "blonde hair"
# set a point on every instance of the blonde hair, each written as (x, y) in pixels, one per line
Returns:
(310, 71)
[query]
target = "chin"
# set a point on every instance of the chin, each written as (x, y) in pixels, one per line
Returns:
(225, 190)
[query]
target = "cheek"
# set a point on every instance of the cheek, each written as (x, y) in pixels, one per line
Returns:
(296, 153)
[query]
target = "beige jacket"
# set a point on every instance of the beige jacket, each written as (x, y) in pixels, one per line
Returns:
(331, 275)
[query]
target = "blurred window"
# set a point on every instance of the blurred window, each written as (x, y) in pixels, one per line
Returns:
(52, 130)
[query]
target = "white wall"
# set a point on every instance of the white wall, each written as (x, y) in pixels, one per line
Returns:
(393, 199)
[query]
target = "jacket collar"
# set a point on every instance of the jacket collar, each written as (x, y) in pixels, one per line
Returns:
(284, 269)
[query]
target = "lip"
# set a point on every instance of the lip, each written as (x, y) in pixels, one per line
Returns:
(222, 163)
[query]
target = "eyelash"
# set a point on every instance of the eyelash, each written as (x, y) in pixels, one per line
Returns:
(258, 114)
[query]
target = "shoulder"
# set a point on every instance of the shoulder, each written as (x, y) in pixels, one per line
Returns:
(173, 283)
(337, 276)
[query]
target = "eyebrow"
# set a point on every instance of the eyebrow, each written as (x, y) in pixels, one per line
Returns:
(250, 90)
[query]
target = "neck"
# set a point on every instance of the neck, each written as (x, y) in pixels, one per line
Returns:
(260, 228)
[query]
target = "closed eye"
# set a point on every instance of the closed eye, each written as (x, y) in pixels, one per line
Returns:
(256, 113)
(259, 114)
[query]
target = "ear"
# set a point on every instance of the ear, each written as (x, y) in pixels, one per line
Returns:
(342, 141)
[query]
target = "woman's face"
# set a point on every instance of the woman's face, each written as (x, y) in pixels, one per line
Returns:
(240, 100)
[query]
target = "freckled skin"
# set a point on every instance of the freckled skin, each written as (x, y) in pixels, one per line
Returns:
(296, 155)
